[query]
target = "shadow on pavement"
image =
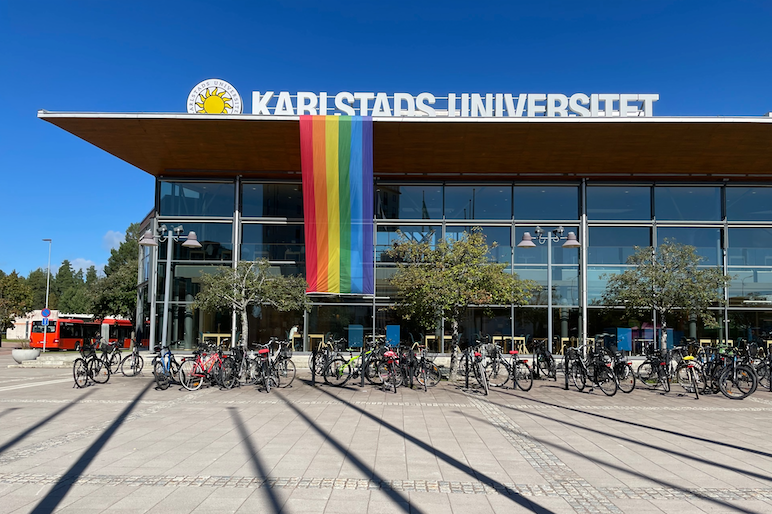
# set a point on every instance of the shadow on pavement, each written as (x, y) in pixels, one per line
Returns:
(68, 479)
(28, 431)
(684, 455)
(477, 475)
(257, 464)
(730, 506)
(647, 427)
(401, 501)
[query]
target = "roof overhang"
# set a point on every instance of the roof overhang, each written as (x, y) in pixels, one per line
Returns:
(189, 145)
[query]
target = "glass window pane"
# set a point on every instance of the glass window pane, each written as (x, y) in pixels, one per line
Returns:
(388, 234)
(613, 245)
(273, 242)
(409, 202)
(272, 200)
(546, 202)
(476, 202)
(749, 203)
(197, 199)
(750, 247)
(750, 287)
(707, 241)
(618, 203)
(216, 243)
(687, 203)
(502, 236)
(538, 254)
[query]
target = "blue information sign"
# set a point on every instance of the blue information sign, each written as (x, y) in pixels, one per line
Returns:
(45, 322)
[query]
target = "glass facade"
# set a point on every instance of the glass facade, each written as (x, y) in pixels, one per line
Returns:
(730, 225)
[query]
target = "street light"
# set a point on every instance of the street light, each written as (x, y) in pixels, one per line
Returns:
(169, 235)
(48, 285)
(554, 235)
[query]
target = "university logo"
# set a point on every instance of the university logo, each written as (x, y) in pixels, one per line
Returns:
(214, 96)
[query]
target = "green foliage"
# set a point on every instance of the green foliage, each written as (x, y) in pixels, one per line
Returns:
(127, 252)
(115, 294)
(446, 279)
(15, 299)
(36, 280)
(251, 283)
(668, 281)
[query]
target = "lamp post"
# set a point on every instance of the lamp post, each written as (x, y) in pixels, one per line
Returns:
(169, 235)
(48, 285)
(549, 236)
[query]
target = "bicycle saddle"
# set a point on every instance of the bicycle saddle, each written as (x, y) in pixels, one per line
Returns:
(513, 352)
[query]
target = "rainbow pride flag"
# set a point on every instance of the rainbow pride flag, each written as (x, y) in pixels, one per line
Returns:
(337, 162)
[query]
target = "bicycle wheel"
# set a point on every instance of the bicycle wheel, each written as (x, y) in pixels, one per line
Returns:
(228, 374)
(625, 377)
(161, 376)
(115, 362)
(544, 365)
(523, 376)
(737, 383)
(191, 376)
(764, 376)
(497, 372)
(433, 375)
(578, 376)
(286, 370)
(607, 381)
(479, 373)
(132, 365)
(390, 376)
(318, 367)
(337, 372)
(371, 371)
(647, 374)
(80, 372)
(99, 371)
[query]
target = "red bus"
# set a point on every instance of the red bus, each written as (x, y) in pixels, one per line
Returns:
(69, 334)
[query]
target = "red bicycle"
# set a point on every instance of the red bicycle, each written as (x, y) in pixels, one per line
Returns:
(204, 366)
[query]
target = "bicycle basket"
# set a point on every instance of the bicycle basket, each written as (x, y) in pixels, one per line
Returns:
(286, 351)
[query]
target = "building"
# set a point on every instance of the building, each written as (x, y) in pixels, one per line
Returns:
(616, 176)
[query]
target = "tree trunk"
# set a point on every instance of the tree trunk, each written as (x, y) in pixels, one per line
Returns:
(455, 350)
(244, 329)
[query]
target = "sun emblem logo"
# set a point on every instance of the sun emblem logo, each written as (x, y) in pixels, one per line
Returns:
(214, 96)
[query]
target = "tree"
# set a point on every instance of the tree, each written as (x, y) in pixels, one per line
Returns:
(36, 280)
(251, 283)
(15, 299)
(127, 252)
(669, 281)
(116, 293)
(445, 280)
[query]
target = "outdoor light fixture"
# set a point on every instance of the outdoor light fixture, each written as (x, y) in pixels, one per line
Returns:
(550, 236)
(171, 235)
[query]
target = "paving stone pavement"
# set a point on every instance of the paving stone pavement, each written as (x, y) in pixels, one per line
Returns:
(126, 446)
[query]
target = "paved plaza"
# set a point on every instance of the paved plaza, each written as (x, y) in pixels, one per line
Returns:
(127, 447)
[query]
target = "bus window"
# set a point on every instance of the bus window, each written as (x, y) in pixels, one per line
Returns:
(37, 327)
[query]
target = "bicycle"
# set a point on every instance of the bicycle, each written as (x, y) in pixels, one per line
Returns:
(89, 367)
(692, 375)
(165, 368)
(264, 372)
(132, 364)
(389, 372)
(544, 361)
(282, 363)
(595, 368)
(654, 370)
(201, 367)
(499, 372)
(427, 373)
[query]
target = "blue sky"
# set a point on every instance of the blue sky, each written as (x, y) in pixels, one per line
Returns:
(704, 58)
